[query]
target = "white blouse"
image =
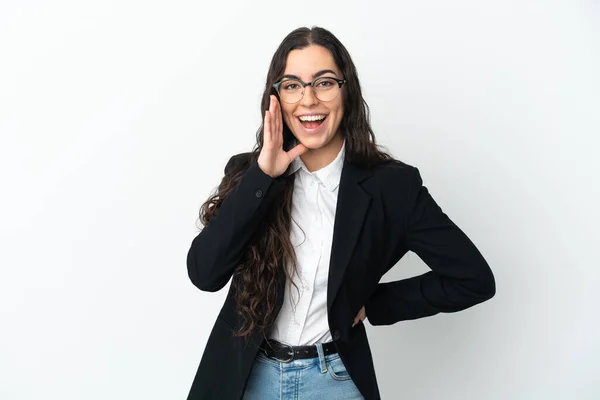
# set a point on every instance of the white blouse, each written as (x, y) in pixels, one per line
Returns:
(302, 319)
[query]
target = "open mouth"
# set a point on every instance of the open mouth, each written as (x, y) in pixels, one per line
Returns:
(312, 121)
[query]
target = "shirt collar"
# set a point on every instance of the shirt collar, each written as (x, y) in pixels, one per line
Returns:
(330, 174)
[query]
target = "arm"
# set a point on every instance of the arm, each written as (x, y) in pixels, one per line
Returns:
(459, 277)
(219, 247)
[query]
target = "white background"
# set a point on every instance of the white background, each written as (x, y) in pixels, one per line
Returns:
(117, 118)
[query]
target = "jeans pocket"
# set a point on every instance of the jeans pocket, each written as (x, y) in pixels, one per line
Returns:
(337, 369)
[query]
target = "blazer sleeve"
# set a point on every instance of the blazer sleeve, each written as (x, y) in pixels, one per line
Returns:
(459, 278)
(218, 249)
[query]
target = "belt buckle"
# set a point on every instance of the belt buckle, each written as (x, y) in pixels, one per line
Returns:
(291, 351)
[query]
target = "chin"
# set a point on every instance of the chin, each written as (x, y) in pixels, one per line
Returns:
(313, 142)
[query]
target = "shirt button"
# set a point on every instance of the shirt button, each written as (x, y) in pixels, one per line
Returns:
(337, 334)
(259, 193)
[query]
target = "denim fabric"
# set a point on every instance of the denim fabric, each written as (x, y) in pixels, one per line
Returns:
(322, 377)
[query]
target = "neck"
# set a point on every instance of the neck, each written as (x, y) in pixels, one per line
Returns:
(315, 159)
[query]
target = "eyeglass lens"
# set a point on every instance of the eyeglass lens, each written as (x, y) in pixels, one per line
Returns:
(325, 89)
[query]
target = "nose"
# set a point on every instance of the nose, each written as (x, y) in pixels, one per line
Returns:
(309, 98)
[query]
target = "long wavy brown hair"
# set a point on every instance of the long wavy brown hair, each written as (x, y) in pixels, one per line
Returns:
(271, 253)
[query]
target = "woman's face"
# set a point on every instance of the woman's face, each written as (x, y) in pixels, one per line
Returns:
(307, 64)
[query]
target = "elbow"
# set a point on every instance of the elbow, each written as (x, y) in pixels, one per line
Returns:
(452, 294)
(488, 284)
(205, 285)
(491, 287)
(470, 292)
(205, 282)
(483, 288)
(200, 276)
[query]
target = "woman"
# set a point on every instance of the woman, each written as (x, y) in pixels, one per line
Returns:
(305, 226)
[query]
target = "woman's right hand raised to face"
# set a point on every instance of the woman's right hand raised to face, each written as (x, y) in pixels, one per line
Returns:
(273, 160)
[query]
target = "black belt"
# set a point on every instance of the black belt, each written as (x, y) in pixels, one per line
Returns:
(286, 353)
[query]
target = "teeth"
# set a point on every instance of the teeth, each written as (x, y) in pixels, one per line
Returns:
(312, 117)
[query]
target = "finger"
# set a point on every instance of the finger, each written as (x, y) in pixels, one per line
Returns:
(298, 150)
(279, 122)
(267, 129)
(273, 118)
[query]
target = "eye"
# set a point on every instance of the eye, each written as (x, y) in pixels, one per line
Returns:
(290, 86)
(325, 83)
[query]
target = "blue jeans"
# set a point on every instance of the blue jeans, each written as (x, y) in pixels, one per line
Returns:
(322, 377)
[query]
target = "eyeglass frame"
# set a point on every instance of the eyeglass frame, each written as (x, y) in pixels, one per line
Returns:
(277, 84)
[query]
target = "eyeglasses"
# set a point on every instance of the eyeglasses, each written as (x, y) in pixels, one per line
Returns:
(292, 90)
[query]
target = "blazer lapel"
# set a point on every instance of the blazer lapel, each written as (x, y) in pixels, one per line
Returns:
(352, 205)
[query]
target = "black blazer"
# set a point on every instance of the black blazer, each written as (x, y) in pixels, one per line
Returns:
(382, 213)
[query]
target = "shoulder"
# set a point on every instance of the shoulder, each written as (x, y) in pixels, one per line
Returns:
(238, 161)
(396, 174)
(398, 185)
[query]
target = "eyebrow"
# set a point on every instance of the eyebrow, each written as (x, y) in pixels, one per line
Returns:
(316, 74)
